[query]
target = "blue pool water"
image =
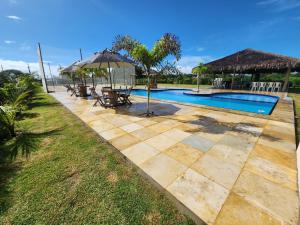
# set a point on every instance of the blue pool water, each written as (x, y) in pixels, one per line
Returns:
(256, 103)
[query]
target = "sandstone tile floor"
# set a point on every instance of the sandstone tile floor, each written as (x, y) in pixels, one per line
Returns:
(224, 167)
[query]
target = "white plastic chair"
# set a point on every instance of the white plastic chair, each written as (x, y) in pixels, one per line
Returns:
(254, 86)
(277, 86)
(270, 86)
(262, 86)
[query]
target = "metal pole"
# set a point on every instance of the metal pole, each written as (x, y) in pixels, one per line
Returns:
(28, 69)
(42, 70)
(51, 77)
(80, 54)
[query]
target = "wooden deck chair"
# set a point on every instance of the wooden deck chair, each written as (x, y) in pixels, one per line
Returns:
(97, 97)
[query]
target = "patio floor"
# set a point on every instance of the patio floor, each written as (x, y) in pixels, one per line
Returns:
(220, 167)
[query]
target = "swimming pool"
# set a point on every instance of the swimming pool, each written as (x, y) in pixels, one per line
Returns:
(255, 103)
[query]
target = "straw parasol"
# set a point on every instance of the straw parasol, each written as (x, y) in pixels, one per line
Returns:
(107, 59)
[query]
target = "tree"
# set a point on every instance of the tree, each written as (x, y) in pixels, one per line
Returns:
(199, 71)
(168, 44)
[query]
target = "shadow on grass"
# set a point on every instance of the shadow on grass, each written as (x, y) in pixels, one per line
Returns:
(42, 103)
(28, 115)
(24, 143)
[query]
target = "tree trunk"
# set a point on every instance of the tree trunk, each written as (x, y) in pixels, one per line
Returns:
(198, 83)
(148, 94)
(286, 80)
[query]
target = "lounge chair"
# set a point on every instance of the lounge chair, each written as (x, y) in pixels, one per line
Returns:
(124, 97)
(262, 86)
(277, 86)
(99, 99)
(110, 97)
(254, 86)
(270, 86)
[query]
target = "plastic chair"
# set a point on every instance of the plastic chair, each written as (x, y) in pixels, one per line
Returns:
(254, 86)
(262, 86)
(277, 87)
(270, 86)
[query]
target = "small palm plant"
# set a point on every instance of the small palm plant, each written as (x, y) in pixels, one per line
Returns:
(168, 44)
(199, 70)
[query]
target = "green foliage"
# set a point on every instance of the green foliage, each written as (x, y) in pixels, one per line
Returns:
(15, 96)
(200, 69)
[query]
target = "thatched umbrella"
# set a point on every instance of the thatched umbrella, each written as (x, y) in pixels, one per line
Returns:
(70, 70)
(254, 61)
(107, 59)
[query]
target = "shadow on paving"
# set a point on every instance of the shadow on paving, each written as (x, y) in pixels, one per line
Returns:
(139, 109)
(213, 126)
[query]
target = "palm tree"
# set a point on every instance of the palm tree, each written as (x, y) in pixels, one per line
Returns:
(98, 72)
(199, 70)
(168, 44)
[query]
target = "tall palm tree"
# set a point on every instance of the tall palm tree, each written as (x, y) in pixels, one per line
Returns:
(199, 71)
(168, 44)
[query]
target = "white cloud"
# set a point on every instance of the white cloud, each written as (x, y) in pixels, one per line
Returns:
(9, 42)
(280, 5)
(25, 47)
(15, 18)
(187, 63)
(23, 66)
(200, 49)
(13, 2)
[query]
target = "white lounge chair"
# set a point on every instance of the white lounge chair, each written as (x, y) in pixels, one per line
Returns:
(254, 86)
(262, 86)
(270, 86)
(277, 86)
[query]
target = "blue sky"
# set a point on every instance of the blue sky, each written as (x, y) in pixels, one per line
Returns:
(207, 29)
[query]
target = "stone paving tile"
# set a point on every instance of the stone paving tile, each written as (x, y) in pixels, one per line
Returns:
(237, 211)
(215, 137)
(176, 134)
(191, 128)
(100, 125)
(160, 128)
(140, 153)
(144, 133)
(273, 172)
(163, 169)
(117, 121)
(131, 127)
(161, 142)
(198, 142)
(254, 121)
(278, 144)
(280, 157)
(229, 154)
(204, 197)
(219, 171)
(184, 153)
(124, 141)
(276, 200)
(113, 133)
(237, 141)
(146, 122)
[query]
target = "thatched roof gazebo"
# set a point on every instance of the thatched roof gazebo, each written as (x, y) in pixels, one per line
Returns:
(252, 61)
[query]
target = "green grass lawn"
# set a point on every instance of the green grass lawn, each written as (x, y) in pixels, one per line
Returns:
(73, 177)
(295, 94)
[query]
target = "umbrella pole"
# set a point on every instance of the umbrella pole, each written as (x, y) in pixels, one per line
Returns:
(109, 75)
